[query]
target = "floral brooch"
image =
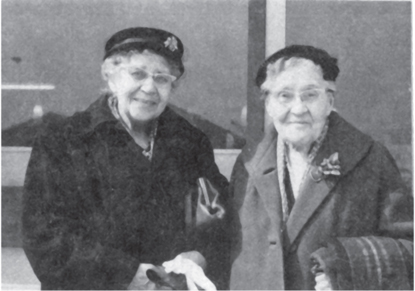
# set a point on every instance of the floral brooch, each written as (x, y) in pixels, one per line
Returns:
(171, 43)
(330, 166)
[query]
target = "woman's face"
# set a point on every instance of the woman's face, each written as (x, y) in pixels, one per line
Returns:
(297, 101)
(142, 86)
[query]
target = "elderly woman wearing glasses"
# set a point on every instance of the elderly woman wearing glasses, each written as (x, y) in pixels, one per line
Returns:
(111, 192)
(313, 180)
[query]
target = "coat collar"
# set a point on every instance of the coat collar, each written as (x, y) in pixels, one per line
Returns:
(342, 137)
(99, 113)
(260, 160)
(261, 164)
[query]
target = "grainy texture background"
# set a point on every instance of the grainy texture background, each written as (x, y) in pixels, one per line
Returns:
(372, 41)
(62, 43)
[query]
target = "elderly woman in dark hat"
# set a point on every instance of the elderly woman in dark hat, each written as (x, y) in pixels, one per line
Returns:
(312, 179)
(111, 192)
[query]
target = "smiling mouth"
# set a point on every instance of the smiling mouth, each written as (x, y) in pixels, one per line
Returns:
(145, 101)
(299, 122)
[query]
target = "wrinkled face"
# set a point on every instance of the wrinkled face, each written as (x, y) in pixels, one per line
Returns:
(298, 100)
(142, 86)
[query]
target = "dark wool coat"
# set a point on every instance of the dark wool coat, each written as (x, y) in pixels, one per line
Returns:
(366, 199)
(95, 207)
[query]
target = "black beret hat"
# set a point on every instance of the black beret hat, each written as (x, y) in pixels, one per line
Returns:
(319, 56)
(159, 41)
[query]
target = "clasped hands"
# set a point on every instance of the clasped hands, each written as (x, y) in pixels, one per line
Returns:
(190, 264)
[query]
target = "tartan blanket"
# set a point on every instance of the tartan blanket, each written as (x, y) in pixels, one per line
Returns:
(366, 263)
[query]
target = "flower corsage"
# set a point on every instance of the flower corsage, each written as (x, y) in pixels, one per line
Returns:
(330, 166)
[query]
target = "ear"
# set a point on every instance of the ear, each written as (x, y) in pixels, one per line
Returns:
(331, 97)
(175, 85)
(106, 78)
(331, 93)
(112, 86)
(104, 75)
(113, 105)
(267, 105)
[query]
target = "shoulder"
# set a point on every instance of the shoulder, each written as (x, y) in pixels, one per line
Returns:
(239, 171)
(353, 142)
(361, 155)
(239, 176)
(172, 124)
(383, 163)
(80, 122)
(256, 152)
(60, 133)
(61, 127)
(344, 133)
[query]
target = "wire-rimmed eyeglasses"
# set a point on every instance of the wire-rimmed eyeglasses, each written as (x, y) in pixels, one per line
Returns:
(160, 79)
(287, 97)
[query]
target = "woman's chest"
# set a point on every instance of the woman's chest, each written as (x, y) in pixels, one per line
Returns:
(124, 177)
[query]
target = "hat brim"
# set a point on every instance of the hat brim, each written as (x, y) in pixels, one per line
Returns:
(141, 46)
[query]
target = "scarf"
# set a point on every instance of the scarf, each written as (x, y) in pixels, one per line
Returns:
(282, 153)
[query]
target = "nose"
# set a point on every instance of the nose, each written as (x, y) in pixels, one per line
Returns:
(298, 107)
(148, 86)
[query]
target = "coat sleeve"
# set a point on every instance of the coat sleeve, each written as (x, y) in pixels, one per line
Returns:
(59, 238)
(213, 242)
(396, 203)
(237, 191)
(389, 254)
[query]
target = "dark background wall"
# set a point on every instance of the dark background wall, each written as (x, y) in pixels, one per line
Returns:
(61, 42)
(372, 41)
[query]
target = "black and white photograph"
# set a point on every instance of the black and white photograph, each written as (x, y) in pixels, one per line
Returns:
(206, 145)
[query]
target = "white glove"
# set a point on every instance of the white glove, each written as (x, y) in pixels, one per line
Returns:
(322, 282)
(193, 272)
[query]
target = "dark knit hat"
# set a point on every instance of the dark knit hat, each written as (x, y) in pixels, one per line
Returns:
(159, 41)
(320, 57)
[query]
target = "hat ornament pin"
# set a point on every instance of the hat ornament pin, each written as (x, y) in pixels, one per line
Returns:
(171, 43)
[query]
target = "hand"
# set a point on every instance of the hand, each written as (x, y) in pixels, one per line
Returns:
(141, 281)
(322, 282)
(195, 276)
(196, 257)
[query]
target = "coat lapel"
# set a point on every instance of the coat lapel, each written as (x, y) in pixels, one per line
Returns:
(263, 168)
(312, 194)
(352, 146)
(268, 188)
(166, 139)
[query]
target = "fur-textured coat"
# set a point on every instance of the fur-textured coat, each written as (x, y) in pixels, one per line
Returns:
(366, 199)
(95, 207)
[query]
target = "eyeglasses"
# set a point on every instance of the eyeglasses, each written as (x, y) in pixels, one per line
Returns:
(160, 79)
(308, 96)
